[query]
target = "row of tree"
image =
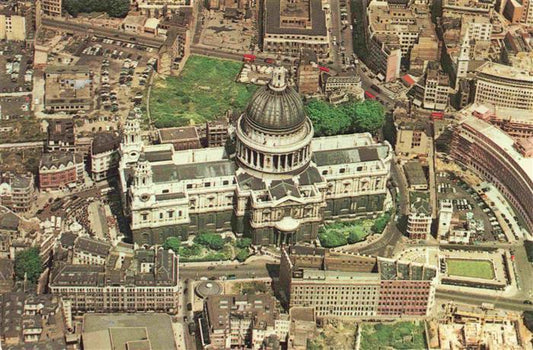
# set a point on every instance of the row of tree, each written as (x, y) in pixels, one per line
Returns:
(114, 8)
(357, 116)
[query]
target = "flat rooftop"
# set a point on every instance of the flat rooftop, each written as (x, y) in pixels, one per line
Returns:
(178, 134)
(310, 9)
(504, 141)
(506, 72)
(115, 331)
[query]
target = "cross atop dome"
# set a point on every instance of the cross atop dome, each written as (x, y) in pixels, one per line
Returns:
(279, 80)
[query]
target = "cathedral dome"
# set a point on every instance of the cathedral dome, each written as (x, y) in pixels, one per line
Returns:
(276, 107)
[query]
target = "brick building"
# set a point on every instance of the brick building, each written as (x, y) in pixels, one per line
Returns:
(347, 285)
(58, 170)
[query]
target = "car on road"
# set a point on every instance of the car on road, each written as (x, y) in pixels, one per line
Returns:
(528, 302)
(189, 307)
(211, 268)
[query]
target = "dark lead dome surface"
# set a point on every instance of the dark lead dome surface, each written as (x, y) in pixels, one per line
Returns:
(276, 107)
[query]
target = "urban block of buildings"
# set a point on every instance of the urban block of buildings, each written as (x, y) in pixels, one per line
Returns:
(146, 280)
(68, 89)
(290, 26)
(230, 321)
(346, 285)
(17, 191)
(498, 158)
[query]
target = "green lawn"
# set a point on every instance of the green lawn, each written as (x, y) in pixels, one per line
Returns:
(400, 335)
(205, 90)
(350, 232)
(470, 268)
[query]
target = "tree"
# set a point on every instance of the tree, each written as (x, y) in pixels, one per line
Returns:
(528, 320)
(369, 116)
(114, 8)
(28, 262)
(332, 239)
(211, 240)
(172, 243)
(242, 255)
(380, 223)
(118, 8)
(243, 243)
(327, 119)
(356, 234)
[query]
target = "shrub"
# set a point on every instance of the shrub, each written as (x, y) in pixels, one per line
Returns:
(332, 239)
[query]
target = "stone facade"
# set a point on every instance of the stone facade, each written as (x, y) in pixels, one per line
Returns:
(278, 187)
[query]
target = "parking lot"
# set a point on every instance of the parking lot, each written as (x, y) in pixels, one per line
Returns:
(121, 73)
(466, 202)
(226, 34)
(15, 67)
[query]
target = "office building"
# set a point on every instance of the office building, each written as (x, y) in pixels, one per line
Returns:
(17, 191)
(496, 157)
(290, 26)
(130, 281)
(104, 155)
(230, 321)
(348, 285)
(419, 220)
(504, 86)
(68, 89)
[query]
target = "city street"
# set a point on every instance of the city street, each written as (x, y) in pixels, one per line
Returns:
(73, 27)
(255, 269)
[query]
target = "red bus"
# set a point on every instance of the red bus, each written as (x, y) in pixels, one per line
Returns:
(248, 57)
(368, 95)
(324, 69)
(437, 115)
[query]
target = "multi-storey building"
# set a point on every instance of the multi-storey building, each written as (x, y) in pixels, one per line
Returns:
(58, 170)
(290, 26)
(385, 55)
(216, 133)
(308, 81)
(15, 21)
(104, 155)
(231, 321)
(412, 139)
(517, 123)
(347, 285)
(144, 280)
(161, 8)
(445, 218)
(52, 7)
(491, 153)
(89, 251)
(278, 188)
(419, 220)
(436, 88)
(68, 89)
(60, 135)
(185, 137)
(391, 28)
(467, 7)
(349, 84)
(504, 86)
(17, 191)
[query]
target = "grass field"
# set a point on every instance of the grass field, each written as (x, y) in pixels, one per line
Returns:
(205, 90)
(470, 268)
(400, 335)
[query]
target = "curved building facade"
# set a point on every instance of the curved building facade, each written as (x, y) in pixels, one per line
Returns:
(490, 153)
(278, 187)
(504, 86)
